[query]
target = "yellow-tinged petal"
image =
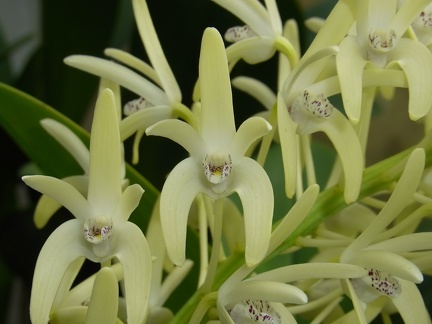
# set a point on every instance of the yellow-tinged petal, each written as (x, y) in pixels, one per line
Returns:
(129, 201)
(47, 206)
(181, 133)
(154, 50)
(288, 139)
(257, 89)
(105, 176)
(357, 303)
(388, 262)
(410, 304)
(350, 65)
(256, 194)
(216, 98)
(134, 255)
(62, 192)
(262, 290)
(342, 135)
(103, 305)
(52, 265)
(416, 61)
(143, 119)
(313, 270)
(253, 50)
(249, 131)
(68, 140)
(405, 243)
(121, 75)
(180, 189)
(406, 14)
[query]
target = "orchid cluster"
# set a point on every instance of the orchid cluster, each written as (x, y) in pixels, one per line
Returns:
(361, 231)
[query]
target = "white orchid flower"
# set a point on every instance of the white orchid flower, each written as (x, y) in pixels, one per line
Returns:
(100, 231)
(217, 166)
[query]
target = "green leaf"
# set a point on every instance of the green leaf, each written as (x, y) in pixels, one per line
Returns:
(19, 117)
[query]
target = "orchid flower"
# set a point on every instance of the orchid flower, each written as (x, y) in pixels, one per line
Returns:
(100, 231)
(379, 43)
(217, 165)
(261, 37)
(160, 95)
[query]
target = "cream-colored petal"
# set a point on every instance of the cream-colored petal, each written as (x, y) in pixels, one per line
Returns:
(253, 50)
(180, 189)
(262, 290)
(154, 50)
(52, 265)
(129, 201)
(249, 131)
(47, 206)
(274, 16)
(350, 65)
(256, 89)
(400, 197)
(256, 194)
(357, 303)
(68, 140)
(406, 14)
(105, 174)
(181, 133)
(134, 255)
(62, 192)
(288, 139)
(121, 75)
(405, 243)
(217, 120)
(313, 270)
(416, 61)
(103, 304)
(251, 12)
(344, 138)
(388, 262)
(134, 62)
(143, 119)
(410, 304)
(294, 217)
(380, 14)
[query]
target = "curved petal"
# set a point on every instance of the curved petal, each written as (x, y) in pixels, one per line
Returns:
(154, 50)
(388, 262)
(256, 194)
(216, 98)
(63, 192)
(256, 89)
(181, 133)
(253, 50)
(180, 189)
(405, 243)
(410, 304)
(121, 75)
(270, 291)
(274, 16)
(346, 142)
(357, 303)
(408, 11)
(249, 131)
(71, 142)
(103, 305)
(313, 270)
(105, 176)
(416, 61)
(143, 119)
(133, 62)
(129, 201)
(47, 206)
(288, 139)
(251, 12)
(400, 197)
(134, 255)
(350, 65)
(63, 247)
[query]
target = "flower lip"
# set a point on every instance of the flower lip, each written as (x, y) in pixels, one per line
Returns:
(254, 311)
(238, 33)
(136, 105)
(217, 167)
(98, 229)
(382, 41)
(310, 105)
